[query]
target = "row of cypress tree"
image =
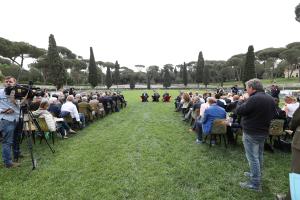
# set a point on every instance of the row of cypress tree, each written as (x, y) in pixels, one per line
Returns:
(58, 73)
(202, 70)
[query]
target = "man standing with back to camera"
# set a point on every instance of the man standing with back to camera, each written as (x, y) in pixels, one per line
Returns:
(257, 112)
(9, 117)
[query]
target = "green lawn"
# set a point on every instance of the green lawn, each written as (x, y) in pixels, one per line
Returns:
(143, 152)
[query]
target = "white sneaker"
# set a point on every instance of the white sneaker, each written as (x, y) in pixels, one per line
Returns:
(198, 141)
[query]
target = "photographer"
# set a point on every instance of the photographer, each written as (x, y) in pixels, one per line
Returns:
(9, 117)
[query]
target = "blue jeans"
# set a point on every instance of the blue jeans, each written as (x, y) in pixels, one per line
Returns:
(198, 126)
(82, 119)
(7, 128)
(254, 148)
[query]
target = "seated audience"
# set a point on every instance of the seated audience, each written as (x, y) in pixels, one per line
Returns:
(186, 103)
(115, 107)
(155, 97)
(279, 114)
(144, 97)
(177, 102)
(166, 97)
(234, 90)
(70, 108)
(221, 102)
(275, 91)
(105, 102)
(86, 109)
(96, 106)
(196, 104)
(35, 104)
(52, 122)
(204, 125)
(290, 107)
(54, 107)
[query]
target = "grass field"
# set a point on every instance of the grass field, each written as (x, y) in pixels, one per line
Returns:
(143, 152)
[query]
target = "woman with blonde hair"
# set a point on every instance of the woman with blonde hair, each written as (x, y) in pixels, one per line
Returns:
(53, 123)
(186, 103)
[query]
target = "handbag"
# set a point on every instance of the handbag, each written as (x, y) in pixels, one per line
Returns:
(282, 145)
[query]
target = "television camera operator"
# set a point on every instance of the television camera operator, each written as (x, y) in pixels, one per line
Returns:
(9, 117)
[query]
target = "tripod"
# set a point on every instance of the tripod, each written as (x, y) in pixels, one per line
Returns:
(27, 119)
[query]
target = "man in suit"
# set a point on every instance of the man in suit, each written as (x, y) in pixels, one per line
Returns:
(155, 97)
(144, 97)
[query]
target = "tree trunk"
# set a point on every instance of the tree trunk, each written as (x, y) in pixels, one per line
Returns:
(292, 70)
(238, 73)
(273, 70)
(299, 73)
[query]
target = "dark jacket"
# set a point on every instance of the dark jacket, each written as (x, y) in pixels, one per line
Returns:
(294, 124)
(197, 105)
(257, 113)
(54, 109)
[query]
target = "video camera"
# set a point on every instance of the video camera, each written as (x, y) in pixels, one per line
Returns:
(21, 90)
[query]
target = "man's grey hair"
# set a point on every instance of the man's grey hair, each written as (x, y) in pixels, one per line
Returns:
(44, 100)
(52, 100)
(256, 84)
(84, 98)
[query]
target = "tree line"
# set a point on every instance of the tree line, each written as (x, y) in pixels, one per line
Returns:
(59, 66)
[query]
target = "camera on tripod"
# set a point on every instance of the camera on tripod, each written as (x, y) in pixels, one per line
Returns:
(23, 90)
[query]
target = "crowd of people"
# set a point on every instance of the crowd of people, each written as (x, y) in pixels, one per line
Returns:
(250, 113)
(64, 113)
(155, 97)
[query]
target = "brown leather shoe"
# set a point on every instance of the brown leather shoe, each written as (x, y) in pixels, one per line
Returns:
(13, 165)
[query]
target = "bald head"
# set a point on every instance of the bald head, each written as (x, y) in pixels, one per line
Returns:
(70, 98)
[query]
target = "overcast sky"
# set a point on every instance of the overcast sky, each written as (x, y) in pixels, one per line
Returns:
(152, 32)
